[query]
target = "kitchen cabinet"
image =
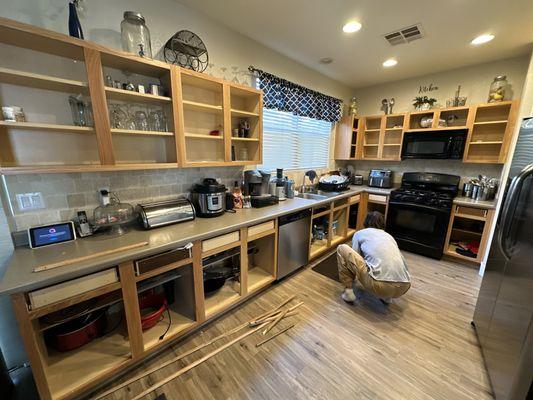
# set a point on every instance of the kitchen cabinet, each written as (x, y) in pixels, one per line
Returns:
(331, 226)
(201, 112)
(380, 137)
(371, 202)
(178, 274)
(468, 225)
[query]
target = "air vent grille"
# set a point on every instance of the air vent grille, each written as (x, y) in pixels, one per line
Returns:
(404, 35)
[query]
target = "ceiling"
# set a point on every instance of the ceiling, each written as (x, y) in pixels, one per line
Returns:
(308, 30)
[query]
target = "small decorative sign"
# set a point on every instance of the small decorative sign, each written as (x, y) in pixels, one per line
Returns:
(428, 88)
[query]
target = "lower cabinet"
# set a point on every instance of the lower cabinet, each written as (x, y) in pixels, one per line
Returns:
(468, 233)
(76, 341)
(333, 224)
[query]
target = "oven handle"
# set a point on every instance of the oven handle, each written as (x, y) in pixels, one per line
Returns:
(399, 203)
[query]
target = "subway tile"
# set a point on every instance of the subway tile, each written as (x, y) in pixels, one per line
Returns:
(76, 200)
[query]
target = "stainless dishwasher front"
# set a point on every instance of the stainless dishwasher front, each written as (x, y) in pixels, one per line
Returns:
(293, 241)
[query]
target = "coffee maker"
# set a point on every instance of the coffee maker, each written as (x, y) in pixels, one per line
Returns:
(256, 186)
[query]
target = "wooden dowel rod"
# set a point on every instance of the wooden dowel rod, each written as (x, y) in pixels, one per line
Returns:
(271, 312)
(262, 342)
(71, 261)
(171, 361)
(275, 322)
(187, 353)
(196, 363)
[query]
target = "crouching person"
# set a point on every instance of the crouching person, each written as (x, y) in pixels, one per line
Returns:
(375, 261)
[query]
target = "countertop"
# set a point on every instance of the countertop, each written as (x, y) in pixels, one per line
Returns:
(467, 201)
(18, 273)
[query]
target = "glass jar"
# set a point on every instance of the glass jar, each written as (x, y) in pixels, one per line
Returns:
(497, 89)
(112, 214)
(141, 121)
(135, 34)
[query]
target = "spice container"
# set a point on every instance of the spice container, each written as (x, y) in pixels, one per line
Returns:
(13, 114)
(497, 89)
(135, 34)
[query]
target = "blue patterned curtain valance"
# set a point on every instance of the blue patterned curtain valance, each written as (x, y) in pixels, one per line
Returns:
(284, 95)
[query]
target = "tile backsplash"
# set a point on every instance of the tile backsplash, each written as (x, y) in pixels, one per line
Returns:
(64, 194)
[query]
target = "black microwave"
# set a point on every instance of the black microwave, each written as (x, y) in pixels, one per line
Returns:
(434, 144)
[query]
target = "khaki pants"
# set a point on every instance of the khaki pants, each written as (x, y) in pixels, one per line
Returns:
(353, 267)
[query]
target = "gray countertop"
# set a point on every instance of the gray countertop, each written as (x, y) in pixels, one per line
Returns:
(19, 276)
(467, 201)
(18, 272)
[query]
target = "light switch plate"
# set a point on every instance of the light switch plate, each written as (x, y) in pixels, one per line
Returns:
(30, 201)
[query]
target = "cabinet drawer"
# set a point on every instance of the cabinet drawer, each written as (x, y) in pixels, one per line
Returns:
(220, 241)
(476, 213)
(163, 259)
(377, 198)
(257, 229)
(355, 199)
(62, 291)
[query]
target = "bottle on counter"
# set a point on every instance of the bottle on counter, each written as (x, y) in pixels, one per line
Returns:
(238, 199)
(280, 184)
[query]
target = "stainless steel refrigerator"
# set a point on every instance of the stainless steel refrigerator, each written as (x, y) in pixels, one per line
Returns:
(504, 312)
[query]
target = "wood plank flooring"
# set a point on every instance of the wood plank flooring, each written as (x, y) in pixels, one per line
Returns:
(420, 347)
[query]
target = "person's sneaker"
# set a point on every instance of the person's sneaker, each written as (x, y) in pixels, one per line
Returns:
(348, 296)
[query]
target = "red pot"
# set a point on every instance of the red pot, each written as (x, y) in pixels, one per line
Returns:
(152, 307)
(78, 332)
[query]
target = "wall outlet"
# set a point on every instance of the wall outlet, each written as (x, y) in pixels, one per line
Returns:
(30, 201)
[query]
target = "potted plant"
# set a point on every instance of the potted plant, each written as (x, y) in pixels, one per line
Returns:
(423, 103)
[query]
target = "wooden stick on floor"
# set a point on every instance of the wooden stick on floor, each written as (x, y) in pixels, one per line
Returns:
(268, 339)
(275, 322)
(272, 312)
(196, 363)
(189, 352)
(260, 321)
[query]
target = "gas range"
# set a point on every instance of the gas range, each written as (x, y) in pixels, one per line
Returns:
(419, 212)
(424, 197)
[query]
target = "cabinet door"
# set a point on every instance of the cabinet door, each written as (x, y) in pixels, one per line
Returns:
(343, 138)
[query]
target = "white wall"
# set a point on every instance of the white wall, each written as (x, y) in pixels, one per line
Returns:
(474, 80)
(230, 53)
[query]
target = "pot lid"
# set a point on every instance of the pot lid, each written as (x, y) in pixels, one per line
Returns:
(134, 16)
(209, 185)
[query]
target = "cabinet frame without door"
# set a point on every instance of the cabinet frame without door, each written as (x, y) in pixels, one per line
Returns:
(380, 137)
(122, 149)
(71, 374)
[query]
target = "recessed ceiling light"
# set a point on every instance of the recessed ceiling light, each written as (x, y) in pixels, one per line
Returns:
(482, 39)
(351, 27)
(391, 62)
(326, 60)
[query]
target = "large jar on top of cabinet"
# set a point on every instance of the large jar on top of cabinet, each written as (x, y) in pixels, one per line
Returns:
(135, 34)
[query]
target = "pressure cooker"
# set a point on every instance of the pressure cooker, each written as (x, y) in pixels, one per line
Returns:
(209, 198)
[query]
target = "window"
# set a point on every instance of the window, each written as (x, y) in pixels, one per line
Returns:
(293, 142)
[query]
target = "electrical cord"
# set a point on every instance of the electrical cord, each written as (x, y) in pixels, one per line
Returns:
(169, 324)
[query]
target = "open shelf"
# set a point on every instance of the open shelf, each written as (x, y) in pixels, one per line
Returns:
(223, 298)
(317, 249)
(241, 113)
(46, 127)
(240, 139)
(480, 142)
(192, 105)
(39, 81)
(202, 137)
(491, 122)
(261, 262)
(143, 133)
(451, 252)
(128, 95)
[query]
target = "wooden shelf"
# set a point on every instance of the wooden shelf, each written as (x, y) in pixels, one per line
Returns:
(39, 81)
(372, 130)
(371, 145)
(201, 136)
(178, 325)
(492, 142)
(242, 113)
(467, 216)
(503, 121)
(337, 239)
(392, 144)
(67, 371)
(321, 213)
(441, 128)
(258, 278)
(57, 169)
(46, 127)
(140, 133)
(450, 251)
(350, 232)
(239, 139)
(393, 129)
(196, 106)
(316, 250)
(223, 298)
(467, 231)
(128, 95)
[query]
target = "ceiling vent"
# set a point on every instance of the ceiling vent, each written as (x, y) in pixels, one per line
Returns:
(404, 35)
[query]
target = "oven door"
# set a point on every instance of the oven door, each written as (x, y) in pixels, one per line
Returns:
(418, 228)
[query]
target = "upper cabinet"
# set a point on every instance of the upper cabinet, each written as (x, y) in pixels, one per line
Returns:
(380, 137)
(79, 117)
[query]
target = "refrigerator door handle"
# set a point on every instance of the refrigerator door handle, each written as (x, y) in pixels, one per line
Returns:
(509, 207)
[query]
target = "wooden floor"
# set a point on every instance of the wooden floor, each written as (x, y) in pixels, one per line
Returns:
(420, 347)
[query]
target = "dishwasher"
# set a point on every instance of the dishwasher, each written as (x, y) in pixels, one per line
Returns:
(293, 241)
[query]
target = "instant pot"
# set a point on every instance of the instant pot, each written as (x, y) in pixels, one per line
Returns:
(209, 198)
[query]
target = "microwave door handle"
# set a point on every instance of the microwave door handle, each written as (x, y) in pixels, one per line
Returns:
(508, 209)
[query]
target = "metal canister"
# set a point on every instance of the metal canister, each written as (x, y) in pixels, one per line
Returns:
(467, 189)
(475, 190)
(289, 189)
